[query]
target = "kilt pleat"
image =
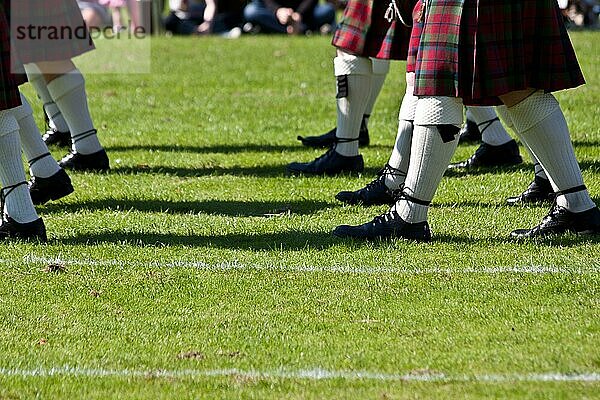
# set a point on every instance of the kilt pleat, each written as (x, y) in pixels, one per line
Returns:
(480, 50)
(364, 31)
(49, 30)
(9, 91)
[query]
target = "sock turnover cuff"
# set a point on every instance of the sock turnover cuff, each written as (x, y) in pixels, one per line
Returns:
(24, 110)
(65, 84)
(8, 122)
(439, 110)
(348, 64)
(533, 110)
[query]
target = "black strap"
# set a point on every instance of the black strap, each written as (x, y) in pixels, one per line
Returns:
(575, 189)
(81, 136)
(487, 124)
(344, 140)
(400, 194)
(415, 200)
(38, 158)
(4, 192)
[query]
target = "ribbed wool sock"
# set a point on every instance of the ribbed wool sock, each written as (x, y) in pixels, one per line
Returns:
(18, 203)
(492, 131)
(542, 126)
(354, 78)
(435, 118)
(400, 156)
(68, 92)
(537, 167)
(41, 162)
(55, 118)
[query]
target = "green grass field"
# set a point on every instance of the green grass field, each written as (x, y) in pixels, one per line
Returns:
(196, 269)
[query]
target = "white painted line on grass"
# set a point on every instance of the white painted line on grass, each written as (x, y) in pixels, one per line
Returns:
(235, 265)
(308, 374)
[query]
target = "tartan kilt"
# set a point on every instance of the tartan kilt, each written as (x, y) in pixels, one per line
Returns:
(59, 30)
(365, 32)
(481, 51)
(415, 37)
(9, 91)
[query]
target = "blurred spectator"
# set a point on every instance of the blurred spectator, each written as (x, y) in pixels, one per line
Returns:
(289, 16)
(95, 15)
(189, 17)
(115, 7)
(580, 12)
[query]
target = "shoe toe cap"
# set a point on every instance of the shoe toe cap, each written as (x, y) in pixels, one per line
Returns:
(344, 231)
(520, 233)
(346, 197)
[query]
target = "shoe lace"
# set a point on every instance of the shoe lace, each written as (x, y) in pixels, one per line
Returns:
(331, 150)
(387, 170)
(327, 154)
(397, 195)
(4, 192)
(556, 209)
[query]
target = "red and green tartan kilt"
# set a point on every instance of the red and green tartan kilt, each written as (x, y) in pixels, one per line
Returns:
(365, 32)
(415, 37)
(59, 32)
(9, 92)
(481, 50)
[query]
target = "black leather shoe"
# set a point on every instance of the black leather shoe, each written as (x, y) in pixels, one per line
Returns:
(11, 229)
(492, 156)
(374, 193)
(97, 161)
(53, 137)
(328, 139)
(330, 163)
(560, 220)
(386, 226)
(54, 187)
(538, 191)
(469, 132)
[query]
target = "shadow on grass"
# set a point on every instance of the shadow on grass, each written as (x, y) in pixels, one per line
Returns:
(264, 171)
(460, 172)
(215, 207)
(293, 240)
(300, 240)
(209, 149)
(585, 165)
(186, 172)
(224, 149)
(586, 142)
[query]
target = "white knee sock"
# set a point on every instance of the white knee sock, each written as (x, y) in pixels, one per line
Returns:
(41, 162)
(543, 127)
(380, 71)
(429, 154)
(492, 131)
(68, 91)
(35, 77)
(18, 204)
(401, 152)
(537, 167)
(354, 78)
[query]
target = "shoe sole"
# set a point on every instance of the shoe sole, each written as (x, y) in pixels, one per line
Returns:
(71, 167)
(362, 203)
(506, 163)
(382, 238)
